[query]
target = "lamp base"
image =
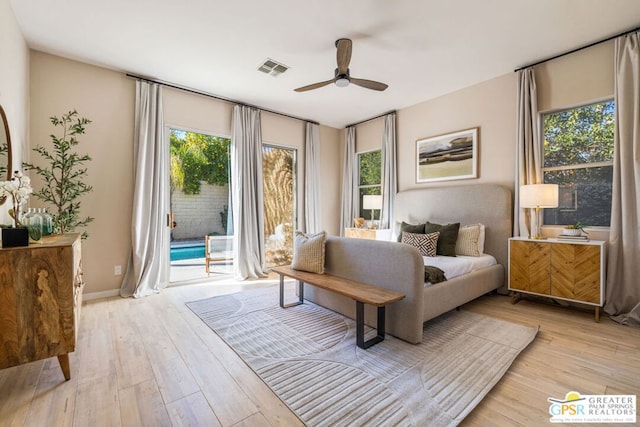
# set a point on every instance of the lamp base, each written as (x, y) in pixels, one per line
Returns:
(538, 237)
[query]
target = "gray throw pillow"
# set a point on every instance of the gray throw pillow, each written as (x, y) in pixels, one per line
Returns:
(308, 252)
(447, 239)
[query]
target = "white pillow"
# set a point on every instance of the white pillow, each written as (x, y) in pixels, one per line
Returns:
(468, 238)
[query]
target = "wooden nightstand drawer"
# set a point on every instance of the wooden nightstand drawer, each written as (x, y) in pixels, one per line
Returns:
(364, 233)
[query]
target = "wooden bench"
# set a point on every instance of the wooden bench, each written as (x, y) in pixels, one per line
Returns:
(360, 292)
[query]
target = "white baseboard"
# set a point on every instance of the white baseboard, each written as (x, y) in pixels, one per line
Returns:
(97, 295)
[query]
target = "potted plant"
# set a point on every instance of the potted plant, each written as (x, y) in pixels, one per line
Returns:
(17, 190)
(574, 229)
(64, 176)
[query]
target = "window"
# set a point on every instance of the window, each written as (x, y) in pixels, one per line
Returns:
(578, 156)
(369, 179)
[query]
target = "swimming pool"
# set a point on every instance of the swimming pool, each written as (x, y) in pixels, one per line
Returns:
(187, 252)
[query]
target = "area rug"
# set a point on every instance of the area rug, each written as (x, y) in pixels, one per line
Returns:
(307, 355)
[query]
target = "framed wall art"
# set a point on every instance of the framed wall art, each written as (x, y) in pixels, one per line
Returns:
(447, 157)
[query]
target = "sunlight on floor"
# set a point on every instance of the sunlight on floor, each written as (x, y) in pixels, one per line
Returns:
(193, 270)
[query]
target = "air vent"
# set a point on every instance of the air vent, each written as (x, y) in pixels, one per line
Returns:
(273, 68)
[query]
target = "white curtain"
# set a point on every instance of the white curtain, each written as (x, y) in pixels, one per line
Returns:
(389, 173)
(623, 269)
(247, 194)
(350, 196)
(149, 257)
(312, 180)
(529, 148)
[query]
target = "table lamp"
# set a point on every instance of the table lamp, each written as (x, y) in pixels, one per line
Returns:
(372, 202)
(538, 196)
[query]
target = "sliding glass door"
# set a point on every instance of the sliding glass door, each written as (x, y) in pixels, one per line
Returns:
(279, 177)
(200, 205)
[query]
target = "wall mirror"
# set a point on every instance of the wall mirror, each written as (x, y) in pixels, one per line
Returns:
(5, 148)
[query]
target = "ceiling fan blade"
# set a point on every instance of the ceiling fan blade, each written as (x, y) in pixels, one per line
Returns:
(369, 84)
(343, 55)
(313, 86)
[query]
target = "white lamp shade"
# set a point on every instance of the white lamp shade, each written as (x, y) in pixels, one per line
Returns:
(371, 202)
(539, 196)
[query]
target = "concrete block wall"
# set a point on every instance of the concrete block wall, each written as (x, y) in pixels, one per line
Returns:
(199, 214)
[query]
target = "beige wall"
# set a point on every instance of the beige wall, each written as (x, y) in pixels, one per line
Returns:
(14, 87)
(576, 79)
(490, 106)
(108, 98)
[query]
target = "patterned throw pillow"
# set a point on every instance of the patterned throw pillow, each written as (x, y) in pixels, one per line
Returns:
(308, 252)
(468, 238)
(426, 243)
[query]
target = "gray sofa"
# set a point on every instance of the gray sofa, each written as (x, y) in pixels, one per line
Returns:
(400, 267)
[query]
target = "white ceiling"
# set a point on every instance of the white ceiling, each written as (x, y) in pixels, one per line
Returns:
(421, 48)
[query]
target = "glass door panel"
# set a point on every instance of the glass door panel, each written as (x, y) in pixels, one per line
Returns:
(279, 176)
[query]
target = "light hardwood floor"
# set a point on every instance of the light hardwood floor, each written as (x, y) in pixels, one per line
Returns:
(151, 362)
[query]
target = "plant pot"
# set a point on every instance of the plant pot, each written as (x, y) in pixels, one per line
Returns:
(14, 237)
(572, 232)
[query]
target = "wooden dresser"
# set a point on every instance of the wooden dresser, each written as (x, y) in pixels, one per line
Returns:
(40, 298)
(571, 271)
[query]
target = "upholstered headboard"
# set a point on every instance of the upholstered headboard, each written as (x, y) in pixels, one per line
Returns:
(489, 204)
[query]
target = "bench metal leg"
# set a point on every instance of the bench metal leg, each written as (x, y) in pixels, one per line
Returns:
(360, 342)
(300, 294)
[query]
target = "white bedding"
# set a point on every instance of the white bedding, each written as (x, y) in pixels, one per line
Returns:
(459, 265)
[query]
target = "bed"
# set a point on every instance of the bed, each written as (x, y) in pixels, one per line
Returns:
(400, 266)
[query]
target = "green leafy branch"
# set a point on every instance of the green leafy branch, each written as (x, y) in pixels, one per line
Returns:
(64, 175)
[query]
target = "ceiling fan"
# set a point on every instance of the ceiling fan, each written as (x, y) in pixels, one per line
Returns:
(341, 75)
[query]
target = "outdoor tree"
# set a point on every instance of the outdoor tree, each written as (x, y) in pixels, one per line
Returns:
(581, 138)
(197, 157)
(370, 176)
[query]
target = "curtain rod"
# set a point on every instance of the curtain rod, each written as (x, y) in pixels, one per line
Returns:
(369, 119)
(198, 92)
(577, 49)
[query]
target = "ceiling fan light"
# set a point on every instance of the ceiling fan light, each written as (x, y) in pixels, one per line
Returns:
(342, 82)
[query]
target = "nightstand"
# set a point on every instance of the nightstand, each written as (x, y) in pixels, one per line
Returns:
(559, 269)
(365, 233)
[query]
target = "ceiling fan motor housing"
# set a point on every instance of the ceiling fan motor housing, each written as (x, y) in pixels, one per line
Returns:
(341, 80)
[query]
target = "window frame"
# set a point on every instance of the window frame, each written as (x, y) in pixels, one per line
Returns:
(543, 169)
